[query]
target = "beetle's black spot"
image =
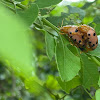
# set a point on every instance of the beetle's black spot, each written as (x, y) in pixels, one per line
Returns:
(93, 45)
(70, 36)
(83, 37)
(88, 34)
(88, 38)
(70, 32)
(79, 41)
(74, 39)
(94, 34)
(89, 41)
(76, 30)
(97, 42)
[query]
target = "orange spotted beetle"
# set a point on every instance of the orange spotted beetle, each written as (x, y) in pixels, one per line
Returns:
(83, 36)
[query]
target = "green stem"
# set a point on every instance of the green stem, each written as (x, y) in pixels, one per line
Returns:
(95, 60)
(4, 3)
(17, 4)
(88, 93)
(49, 91)
(21, 6)
(37, 25)
(50, 25)
(64, 96)
(43, 19)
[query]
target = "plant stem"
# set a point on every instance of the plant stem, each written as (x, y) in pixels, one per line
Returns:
(56, 96)
(95, 60)
(50, 25)
(64, 96)
(88, 93)
(17, 4)
(8, 6)
(43, 19)
(37, 25)
(21, 6)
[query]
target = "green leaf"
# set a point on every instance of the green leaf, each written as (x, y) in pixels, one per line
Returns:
(73, 10)
(45, 11)
(88, 20)
(97, 94)
(68, 64)
(86, 5)
(16, 47)
(96, 52)
(42, 60)
(50, 45)
(29, 15)
(99, 81)
(49, 81)
(97, 29)
(73, 49)
(34, 85)
(90, 73)
(68, 86)
(14, 43)
(26, 2)
(47, 3)
(57, 20)
(97, 20)
(19, 0)
(68, 98)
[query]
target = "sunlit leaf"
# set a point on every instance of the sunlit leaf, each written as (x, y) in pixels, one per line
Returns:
(26, 2)
(99, 81)
(16, 47)
(14, 42)
(49, 81)
(97, 94)
(88, 20)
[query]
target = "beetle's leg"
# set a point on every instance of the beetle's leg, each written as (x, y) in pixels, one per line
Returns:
(64, 29)
(63, 33)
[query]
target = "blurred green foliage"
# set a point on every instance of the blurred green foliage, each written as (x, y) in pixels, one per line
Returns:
(39, 64)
